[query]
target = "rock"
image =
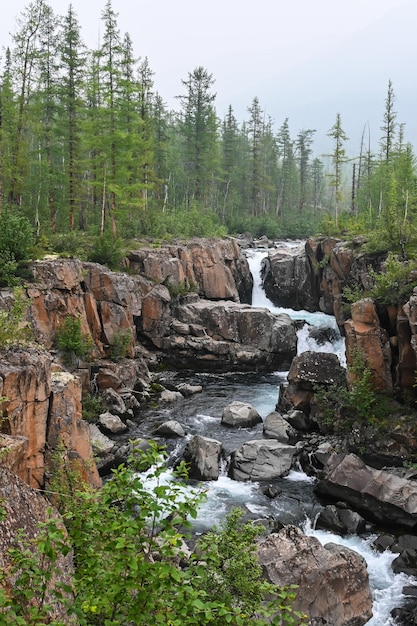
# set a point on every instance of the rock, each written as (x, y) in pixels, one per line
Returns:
(289, 279)
(240, 415)
(112, 423)
(25, 508)
(364, 333)
(169, 396)
(333, 585)
(217, 268)
(114, 401)
(203, 456)
(189, 390)
(307, 370)
(378, 495)
(341, 520)
(261, 460)
(171, 428)
(300, 421)
(277, 427)
(102, 445)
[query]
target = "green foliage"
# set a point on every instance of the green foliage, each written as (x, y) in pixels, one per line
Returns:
(180, 289)
(231, 573)
(16, 236)
(92, 407)
(361, 396)
(107, 250)
(16, 241)
(39, 588)
(71, 340)
(13, 329)
(393, 284)
(130, 564)
(73, 244)
(120, 344)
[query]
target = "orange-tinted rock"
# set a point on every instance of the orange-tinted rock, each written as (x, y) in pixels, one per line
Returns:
(364, 333)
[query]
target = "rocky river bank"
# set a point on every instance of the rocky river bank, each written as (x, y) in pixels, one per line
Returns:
(188, 307)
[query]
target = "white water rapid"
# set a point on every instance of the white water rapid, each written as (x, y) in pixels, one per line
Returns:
(305, 342)
(386, 586)
(297, 503)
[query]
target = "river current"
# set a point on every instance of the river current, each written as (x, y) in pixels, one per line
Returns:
(297, 504)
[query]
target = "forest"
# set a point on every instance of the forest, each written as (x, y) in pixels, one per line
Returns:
(89, 149)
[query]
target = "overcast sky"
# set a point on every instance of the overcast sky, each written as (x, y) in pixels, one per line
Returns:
(304, 59)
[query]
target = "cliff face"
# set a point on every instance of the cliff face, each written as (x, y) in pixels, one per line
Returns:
(42, 401)
(314, 279)
(211, 330)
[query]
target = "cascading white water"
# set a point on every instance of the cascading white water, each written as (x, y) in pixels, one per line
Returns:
(305, 341)
(386, 586)
(201, 414)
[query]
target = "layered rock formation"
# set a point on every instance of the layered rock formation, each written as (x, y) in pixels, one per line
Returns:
(379, 495)
(333, 584)
(314, 278)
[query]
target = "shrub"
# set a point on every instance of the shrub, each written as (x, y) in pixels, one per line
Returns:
(13, 329)
(107, 250)
(120, 345)
(92, 407)
(71, 340)
(128, 542)
(16, 236)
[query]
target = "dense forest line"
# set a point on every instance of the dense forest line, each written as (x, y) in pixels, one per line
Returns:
(87, 144)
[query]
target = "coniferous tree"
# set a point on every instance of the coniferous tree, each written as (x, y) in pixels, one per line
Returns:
(338, 157)
(198, 127)
(73, 59)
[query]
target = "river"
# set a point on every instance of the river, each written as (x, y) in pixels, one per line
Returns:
(297, 504)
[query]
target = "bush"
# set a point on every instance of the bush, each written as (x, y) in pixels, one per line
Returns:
(13, 329)
(107, 250)
(72, 342)
(16, 236)
(128, 544)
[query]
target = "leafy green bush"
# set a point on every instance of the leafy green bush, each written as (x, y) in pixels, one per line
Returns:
(16, 235)
(71, 340)
(120, 345)
(13, 329)
(92, 407)
(107, 250)
(130, 564)
(393, 284)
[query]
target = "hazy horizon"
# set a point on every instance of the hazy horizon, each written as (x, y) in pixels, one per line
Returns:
(303, 61)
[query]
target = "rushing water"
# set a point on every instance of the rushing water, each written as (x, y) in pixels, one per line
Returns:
(297, 504)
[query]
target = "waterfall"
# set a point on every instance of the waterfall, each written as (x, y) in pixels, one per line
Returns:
(201, 414)
(317, 319)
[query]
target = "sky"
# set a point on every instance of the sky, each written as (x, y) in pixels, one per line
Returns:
(305, 60)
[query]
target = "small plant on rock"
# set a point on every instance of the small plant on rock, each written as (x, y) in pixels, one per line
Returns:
(71, 340)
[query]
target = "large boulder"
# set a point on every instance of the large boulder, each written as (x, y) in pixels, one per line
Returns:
(364, 334)
(234, 336)
(289, 279)
(216, 268)
(203, 457)
(379, 495)
(240, 415)
(333, 585)
(277, 427)
(307, 370)
(261, 460)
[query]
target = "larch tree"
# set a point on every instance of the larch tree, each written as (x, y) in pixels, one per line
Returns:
(24, 62)
(338, 156)
(303, 150)
(198, 127)
(73, 60)
(255, 132)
